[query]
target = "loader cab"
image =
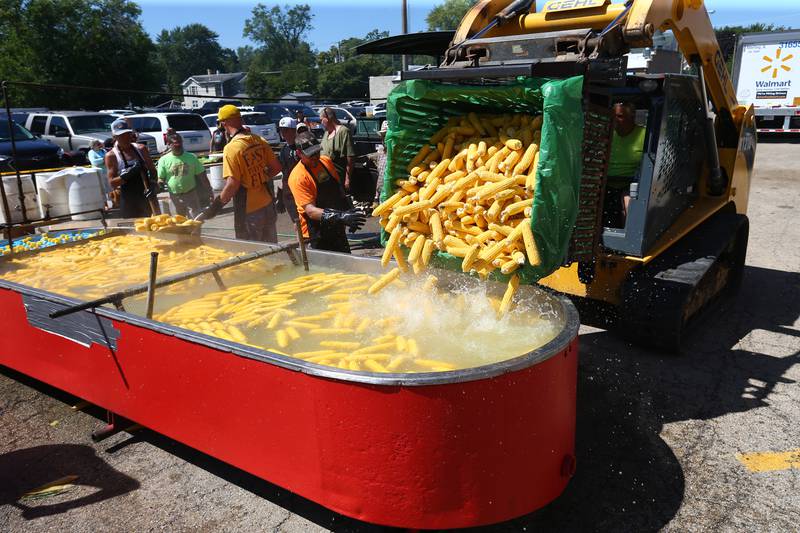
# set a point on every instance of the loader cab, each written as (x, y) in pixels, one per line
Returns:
(670, 107)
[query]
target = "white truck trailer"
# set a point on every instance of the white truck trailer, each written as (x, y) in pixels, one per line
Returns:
(766, 73)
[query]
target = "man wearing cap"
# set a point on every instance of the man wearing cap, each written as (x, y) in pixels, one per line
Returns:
(324, 209)
(248, 164)
(130, 168)
(288, 158)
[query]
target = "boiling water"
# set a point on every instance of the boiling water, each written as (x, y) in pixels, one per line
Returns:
(407, 327)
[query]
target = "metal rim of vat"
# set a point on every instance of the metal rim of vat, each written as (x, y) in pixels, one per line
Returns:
(557, 345)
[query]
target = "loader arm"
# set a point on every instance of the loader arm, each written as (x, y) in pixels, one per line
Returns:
(689, 22)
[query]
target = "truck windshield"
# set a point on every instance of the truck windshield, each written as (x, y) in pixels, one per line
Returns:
(20, 133)
(91, 124)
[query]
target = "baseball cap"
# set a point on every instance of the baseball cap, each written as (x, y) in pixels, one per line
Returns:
(120, 126)
(228, 111)
(301, 127)
(308, 144)
(287, 122)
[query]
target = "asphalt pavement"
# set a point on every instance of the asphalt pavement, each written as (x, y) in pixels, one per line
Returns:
(662, 443)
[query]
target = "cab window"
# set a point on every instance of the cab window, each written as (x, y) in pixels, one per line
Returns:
(58, 126)
(37, 124)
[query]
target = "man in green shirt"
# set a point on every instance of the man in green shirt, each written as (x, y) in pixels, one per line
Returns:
(338, 145)
(181, 170)
(627, 149)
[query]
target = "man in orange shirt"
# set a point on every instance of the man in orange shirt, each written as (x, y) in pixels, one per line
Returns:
(324, 209)
(248, 164)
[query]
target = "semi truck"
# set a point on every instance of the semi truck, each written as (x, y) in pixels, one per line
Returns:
(766, 74)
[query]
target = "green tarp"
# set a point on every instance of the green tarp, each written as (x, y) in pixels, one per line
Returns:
(417, 109)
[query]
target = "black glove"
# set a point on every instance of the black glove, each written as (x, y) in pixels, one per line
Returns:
(151, 191)
(211, 211)
(131, 172)
(353, 218)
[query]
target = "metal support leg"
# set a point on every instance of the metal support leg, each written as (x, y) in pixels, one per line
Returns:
(151, 284)
(219, 281)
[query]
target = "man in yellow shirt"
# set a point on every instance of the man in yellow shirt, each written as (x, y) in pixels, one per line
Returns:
(248, 164)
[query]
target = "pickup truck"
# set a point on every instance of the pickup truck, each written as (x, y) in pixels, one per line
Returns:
(76, 130)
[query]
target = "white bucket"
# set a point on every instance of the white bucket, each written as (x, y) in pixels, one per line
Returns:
(52, 194)
(15, 203)
(84, 192)
(215, 177)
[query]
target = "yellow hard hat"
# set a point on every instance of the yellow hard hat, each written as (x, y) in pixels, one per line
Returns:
(227, 111)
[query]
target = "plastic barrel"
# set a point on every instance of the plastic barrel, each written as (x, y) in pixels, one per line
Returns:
(52, 194)
(84, 192)
(15, 203)
(215, 177)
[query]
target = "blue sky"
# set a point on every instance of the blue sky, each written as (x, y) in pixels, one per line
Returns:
(335, 20)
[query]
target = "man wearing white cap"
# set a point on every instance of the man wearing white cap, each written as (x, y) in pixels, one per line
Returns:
(131, 169)
(288, 158)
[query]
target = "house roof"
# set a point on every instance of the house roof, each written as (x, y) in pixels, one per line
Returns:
(214, 78)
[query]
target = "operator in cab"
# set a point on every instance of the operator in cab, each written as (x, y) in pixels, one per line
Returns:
(324, 208)
(248, 165)
(627, 149)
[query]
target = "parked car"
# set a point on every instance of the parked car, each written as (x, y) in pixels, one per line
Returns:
(277, 111)
(32, 153)
(356, 111)
(379, 110)
(118, 112)
(76, 130)
(311, 116)
(354, 103)
(346, 118)
(213, 106)
(195, 133)
(259, 123)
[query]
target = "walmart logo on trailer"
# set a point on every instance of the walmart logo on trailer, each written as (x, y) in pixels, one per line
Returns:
(777, 63)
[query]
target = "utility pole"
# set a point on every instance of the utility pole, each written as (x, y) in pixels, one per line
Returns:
(405, 31)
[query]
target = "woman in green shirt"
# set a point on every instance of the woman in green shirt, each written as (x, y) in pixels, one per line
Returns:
(627, 149)
(338, 145)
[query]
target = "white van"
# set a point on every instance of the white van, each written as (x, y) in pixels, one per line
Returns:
(195, 133)
(259, 123)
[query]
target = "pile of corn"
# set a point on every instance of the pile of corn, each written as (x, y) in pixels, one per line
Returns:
(334, 335)
(164, 222)
(45, 241)
(96, 268)
(469, 192)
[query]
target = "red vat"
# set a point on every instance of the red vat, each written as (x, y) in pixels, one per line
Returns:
(482, 447)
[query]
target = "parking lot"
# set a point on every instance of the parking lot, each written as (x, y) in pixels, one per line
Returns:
(662, 443)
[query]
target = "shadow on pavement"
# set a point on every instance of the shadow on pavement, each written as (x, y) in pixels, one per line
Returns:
(29, 468)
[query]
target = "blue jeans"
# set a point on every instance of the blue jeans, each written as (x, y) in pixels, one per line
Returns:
(260, 225)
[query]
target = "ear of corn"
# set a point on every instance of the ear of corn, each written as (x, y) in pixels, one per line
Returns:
(479, 188)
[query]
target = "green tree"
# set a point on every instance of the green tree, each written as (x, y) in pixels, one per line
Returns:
(245, 55)
(345, 75)
(189, 50)
(447, 15)
(283, 60)
(98, 43)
